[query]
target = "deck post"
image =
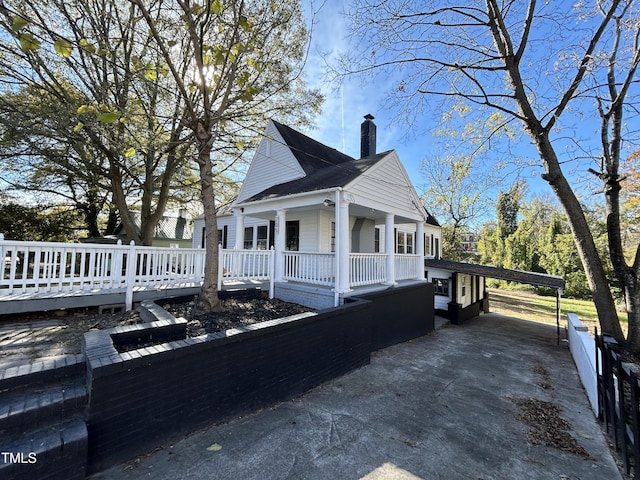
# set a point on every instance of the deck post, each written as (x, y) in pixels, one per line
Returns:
(419, 239)
(130, 276)
(220, 266)
(343, 246)
(389, 243)
(280, 240)
(272, 272)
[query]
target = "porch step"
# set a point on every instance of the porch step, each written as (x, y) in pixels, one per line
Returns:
(24, 410)
(52, 453)
(42, 426)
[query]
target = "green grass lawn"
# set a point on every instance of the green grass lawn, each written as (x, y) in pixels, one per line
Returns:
(529, 306)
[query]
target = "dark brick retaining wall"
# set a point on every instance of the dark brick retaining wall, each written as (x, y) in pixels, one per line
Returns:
(139, 399)
(142, 398)
(400, 314)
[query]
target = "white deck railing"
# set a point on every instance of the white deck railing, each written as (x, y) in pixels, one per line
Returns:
(246, 266)
(408, 267)
(367, 269)
(310, 267)
(41, 268)
(51, 267)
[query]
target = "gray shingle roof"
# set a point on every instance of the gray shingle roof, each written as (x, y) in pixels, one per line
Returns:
(311, 154)
(326, 176)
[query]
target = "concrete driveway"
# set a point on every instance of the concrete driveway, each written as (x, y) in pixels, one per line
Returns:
(444, 406)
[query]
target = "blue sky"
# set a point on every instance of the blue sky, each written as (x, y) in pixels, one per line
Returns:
(344, 109)
(339, 124)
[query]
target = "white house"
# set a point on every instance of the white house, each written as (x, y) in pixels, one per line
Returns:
(337, 224)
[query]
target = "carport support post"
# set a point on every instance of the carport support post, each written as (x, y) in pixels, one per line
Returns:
(558, 295)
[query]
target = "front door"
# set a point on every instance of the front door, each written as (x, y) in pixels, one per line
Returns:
(292, 239)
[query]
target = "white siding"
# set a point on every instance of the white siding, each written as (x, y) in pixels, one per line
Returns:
(309, 240)
(386, 187)
(324, 230)
(440, 302)
(272, 164)
(464, 286)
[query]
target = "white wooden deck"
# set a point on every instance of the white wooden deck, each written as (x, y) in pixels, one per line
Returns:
(41, 276)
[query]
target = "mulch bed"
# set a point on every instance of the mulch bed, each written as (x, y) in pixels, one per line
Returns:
(236, 312)
(73, 323)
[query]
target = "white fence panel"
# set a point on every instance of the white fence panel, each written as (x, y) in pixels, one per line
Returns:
(245, 265)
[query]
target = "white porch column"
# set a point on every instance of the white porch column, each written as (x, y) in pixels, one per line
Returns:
(389, 242)
(239, 242)
(343, 243)
(420, 249)
(279, 243)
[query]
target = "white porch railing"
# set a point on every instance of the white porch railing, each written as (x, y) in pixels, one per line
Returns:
(310, 267)
(50, 268)
(28, 269)
(246, 266)
(408, 267)
(367, 268)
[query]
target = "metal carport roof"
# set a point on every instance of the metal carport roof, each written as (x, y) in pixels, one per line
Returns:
(531, 278)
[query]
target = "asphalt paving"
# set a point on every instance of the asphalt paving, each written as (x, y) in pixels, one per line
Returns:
(443, 406)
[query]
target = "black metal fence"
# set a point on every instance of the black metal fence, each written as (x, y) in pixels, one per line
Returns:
(618, 402)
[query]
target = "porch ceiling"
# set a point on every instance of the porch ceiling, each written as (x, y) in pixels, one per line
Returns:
(267, 211)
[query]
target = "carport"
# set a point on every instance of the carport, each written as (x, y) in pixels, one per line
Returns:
(455, 269)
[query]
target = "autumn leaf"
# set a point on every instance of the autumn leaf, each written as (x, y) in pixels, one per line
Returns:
(28, 42)
(130, 152)
(18, 23)
(109, 117)
(150, 72)
(216, 447)
(216, 7)
(85, 45)
(63, 47)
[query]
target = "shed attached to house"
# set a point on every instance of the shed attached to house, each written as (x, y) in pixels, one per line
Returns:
(460, 288)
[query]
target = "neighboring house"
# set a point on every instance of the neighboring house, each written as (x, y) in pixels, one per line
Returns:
(337, 224)
(174, 230)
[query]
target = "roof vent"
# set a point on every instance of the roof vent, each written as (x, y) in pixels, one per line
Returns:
(367, 137)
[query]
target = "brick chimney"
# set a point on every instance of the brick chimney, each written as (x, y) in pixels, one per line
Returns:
(367, 137)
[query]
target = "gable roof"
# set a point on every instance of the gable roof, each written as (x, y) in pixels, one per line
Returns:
(324, 168)
(322, 177)
(170, 227)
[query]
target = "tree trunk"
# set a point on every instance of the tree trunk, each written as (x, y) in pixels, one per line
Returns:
(208, 300)
(120, 201)
(589, 256)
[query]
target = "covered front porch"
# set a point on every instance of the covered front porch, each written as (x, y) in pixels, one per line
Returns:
(312, 278)
(328, 241)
